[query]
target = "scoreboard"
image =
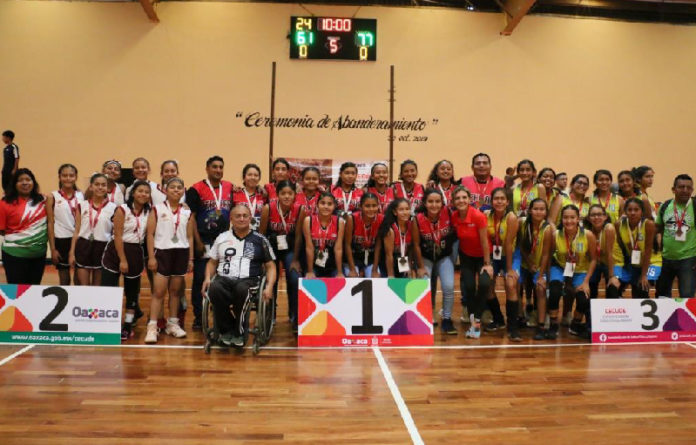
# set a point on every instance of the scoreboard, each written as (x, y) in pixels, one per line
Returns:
(326, 38)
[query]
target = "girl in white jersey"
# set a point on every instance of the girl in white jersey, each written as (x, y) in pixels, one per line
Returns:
(170, 245)
(124, 253)
(141, 170)
(115, 192)
(93, 229)
(61, 206)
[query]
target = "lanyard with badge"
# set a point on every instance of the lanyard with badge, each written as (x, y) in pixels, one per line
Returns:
(571, 259)
(409, 196)
(437, 236)
(403, 259)
(175, 238)
(93, 221)
(73, 208)
(635, 248)
(444, 195)
(322, 253)
(369, 241)
(482, 193)
(524, 198)
(680, 233)
(136, 216)
(282, 240)
(217, 197)
(497, 244)
(252, 208)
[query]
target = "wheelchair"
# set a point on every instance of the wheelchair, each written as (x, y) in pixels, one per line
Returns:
(263, 322)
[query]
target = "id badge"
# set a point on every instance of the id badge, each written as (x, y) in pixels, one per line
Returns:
(282, 242)
(497, 252)
(367, 258)
(680, 235)
(569, 270)
(322, 257)
(635, 258)
(403, 264)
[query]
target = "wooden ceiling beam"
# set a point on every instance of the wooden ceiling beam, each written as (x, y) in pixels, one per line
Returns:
(149, 9)
(514, 11)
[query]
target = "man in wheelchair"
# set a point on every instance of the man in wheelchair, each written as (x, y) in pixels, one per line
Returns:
(238, 260)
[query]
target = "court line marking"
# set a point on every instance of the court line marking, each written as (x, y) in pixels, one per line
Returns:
(10, 357)
(396, 395)
(367, 348)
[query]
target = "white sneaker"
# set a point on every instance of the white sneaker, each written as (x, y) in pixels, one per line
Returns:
(151, 335)
(175, 330)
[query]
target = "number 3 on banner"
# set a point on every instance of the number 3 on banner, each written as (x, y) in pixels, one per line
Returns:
(650, 313)
(47, 323)
(367, 326)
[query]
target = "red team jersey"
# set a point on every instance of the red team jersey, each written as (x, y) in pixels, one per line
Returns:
(350, 199)
(364, 237)
(383, 198)
(481, 191)
(309, 204)
(239, 197)
(398, 236)
(435, 238)
(415, 196)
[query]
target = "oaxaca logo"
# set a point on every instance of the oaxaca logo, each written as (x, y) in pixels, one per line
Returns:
(95, 313)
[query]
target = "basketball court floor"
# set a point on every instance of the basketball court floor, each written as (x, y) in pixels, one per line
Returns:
(459, 391)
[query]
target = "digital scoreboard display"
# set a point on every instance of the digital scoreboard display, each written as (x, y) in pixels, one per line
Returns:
(333, 38)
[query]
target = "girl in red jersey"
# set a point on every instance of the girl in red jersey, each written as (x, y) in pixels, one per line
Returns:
(170, 244)
(474, 257)
(379, 185)
(280, 170)
(442, 178)
(323, 234)
(61, 206)
(93, 229)
(408, 187)
(250, 194)
(279, 220)
(124, 253)
(361, 238)
(309, 196)
(433, 237)
(346, 194)
(23, 223)
(397, 240)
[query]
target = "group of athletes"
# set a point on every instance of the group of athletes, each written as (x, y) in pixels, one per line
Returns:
(547, 240)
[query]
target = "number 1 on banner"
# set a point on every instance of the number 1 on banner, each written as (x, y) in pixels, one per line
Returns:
(367, 326)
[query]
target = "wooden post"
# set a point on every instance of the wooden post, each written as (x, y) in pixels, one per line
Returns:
(270, 142)
(391, 124)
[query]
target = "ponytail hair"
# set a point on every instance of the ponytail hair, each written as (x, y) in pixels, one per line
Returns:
(389, 217)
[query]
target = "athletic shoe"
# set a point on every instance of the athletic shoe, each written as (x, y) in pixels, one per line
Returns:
(197, 326)
(465, 315)
(175, 330)
(126, 332)
(448, 327)
(238, 341)
(540, 333)
(521, 322)
(494, 326)
(226, 339)
(514, 334)
(474, 331)
(152, 332)
(486, 317)
(161, 323)
(532, 319)
(576, 328)
(137, 315)
(567, 319)
(552, 333)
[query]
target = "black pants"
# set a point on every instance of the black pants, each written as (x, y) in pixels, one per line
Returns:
(6, 180)
(131, 286)
(682, 270)
(470, 270)
(199, 265)
(225, 294)
(23, 270)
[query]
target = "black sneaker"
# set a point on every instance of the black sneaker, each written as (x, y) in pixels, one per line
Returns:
(494, 326)
(137, 315)
(540, 333)
(514, 334)
(577, 328)
(126, 332)
(448, 327)
(197, 326)
(521, 322)
(552, 333)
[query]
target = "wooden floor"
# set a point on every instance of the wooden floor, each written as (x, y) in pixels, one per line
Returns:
(462, 391)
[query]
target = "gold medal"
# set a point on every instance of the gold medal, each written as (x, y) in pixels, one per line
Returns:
(218, 212)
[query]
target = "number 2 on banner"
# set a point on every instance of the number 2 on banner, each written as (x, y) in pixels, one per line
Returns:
(367, 326)
(47, 323)
(650, 313)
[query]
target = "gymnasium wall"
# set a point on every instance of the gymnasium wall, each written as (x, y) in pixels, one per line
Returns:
(83, 82)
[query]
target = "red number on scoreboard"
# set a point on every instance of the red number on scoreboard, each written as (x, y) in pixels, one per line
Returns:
(340, 25)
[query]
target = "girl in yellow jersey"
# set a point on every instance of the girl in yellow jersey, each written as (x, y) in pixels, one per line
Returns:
(611, 202)
(526, 191)
(577, 197)
(502, 231)
(573, 263)
(534, 241)
(547, 178)
(644, 178)
(598, 222)
(636, 262)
